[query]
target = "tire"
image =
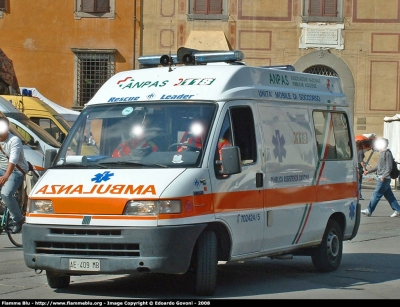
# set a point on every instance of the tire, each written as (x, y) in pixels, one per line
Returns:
(15, 238)
(56, 281)
(205, 263)
(328, 255)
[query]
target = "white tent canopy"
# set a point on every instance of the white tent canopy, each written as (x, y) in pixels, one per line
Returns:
(391, 131)
(68, 114)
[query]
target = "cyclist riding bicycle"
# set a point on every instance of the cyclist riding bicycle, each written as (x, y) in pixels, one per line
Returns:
(11, 178)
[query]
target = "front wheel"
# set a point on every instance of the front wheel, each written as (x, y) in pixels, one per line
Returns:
(205, 262)
(15, 238)
(57, 281)
(327, 256)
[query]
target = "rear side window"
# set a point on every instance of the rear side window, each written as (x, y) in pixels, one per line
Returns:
(50, 126)
(332, 135)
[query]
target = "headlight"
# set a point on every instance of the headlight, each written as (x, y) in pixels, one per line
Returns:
(150, 207)
(40, 206)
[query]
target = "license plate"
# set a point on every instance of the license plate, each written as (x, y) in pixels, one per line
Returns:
(84, 264)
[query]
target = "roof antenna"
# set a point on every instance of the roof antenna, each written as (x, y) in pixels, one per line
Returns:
(170, 62)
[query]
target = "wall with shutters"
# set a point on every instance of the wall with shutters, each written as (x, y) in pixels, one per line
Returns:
(38, 37)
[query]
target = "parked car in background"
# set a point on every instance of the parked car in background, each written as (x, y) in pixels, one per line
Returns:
(32, 153)
(41, 114)
(32, 133)
(68, 114)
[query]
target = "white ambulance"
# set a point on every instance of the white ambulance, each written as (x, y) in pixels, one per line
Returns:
(182, 168)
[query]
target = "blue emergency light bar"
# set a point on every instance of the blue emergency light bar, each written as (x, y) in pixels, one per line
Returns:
(189, 56)
(282, 67)
(155, 60)
(218, 56)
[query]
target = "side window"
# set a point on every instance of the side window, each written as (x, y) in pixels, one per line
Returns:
(332, 135)
(243, 133)
(224, 139)
(94, 9)
(48, 125)
(208, 10)
(28, 138)
(238, 130)
(3, 5)
(322, 10)
(93, 69)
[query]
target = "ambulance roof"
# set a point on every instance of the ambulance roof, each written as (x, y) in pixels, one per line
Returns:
(215, 83)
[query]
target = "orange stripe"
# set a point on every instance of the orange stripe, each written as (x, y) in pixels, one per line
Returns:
(124, 217)
(327, 192)
(63, 216)
(89, 206)
(95, 217)
(310, 194)
(235, 201)
(210, 203)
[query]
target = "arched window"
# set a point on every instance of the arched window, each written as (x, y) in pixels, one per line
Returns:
(321, 70)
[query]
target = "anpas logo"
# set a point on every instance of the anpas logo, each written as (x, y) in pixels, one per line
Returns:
(129, 82)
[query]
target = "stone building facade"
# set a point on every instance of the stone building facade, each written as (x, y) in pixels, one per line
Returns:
(66, 49)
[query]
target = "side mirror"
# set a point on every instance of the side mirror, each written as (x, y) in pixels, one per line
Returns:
(230, 161)
(32, 142)
(49, 156)
(62, 137)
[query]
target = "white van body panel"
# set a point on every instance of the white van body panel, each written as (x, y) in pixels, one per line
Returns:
(35, 156)
(293, 188)
(231, 82)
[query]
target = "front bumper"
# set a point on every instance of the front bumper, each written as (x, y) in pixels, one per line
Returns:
(124, 250)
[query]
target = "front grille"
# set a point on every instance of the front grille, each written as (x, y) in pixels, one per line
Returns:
(88, 232)
(87, 249)
(87, 242)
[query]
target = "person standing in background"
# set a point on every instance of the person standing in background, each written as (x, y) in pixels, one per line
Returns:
(383, 188)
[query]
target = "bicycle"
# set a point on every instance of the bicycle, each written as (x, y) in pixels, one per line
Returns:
(6, 220)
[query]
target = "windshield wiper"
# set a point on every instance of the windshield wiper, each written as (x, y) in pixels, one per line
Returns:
(134, 163)
(67, 165)
(124, 163)
(82, 165)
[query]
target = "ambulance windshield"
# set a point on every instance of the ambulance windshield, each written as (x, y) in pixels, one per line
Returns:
(142, 135)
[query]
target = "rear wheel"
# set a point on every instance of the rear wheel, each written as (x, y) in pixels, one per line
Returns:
(204, 264)
(57, 281)
(328, 255)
